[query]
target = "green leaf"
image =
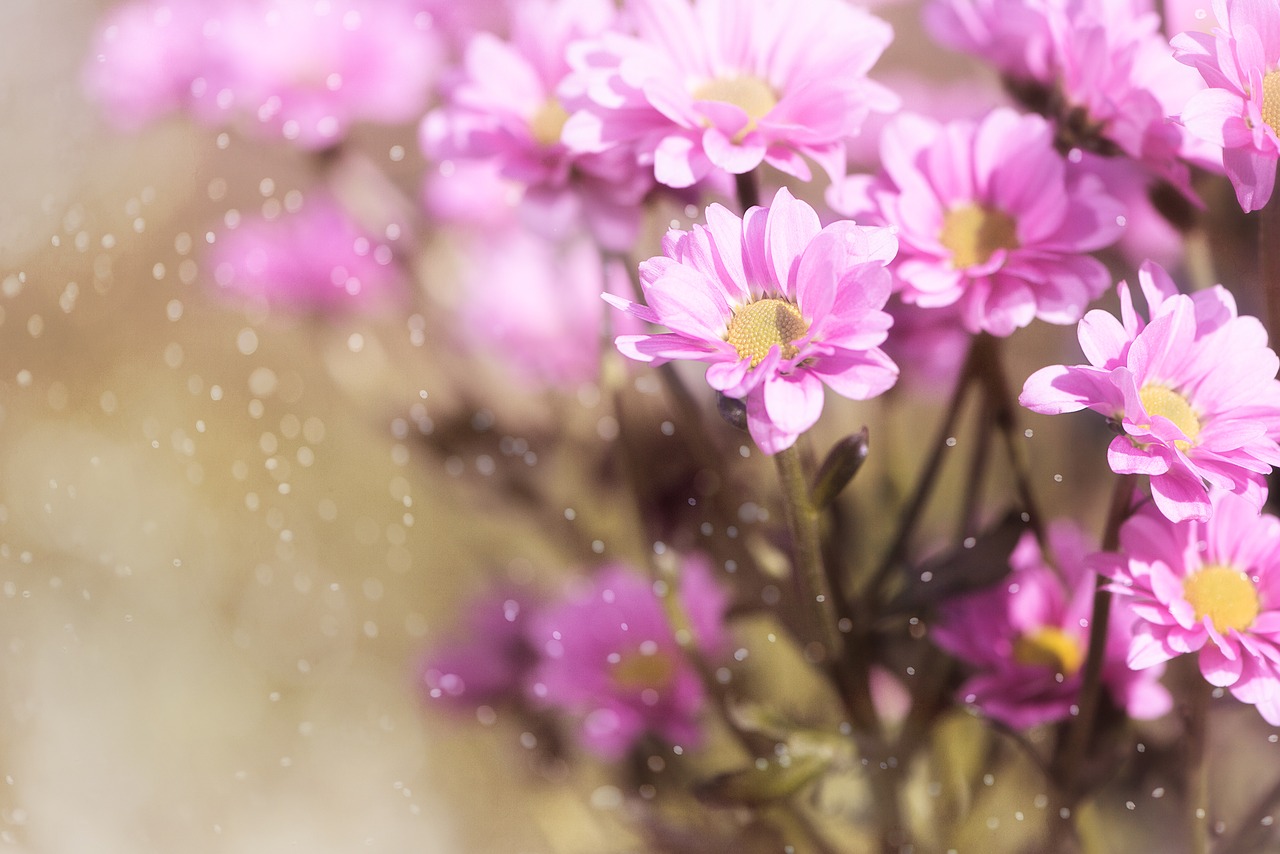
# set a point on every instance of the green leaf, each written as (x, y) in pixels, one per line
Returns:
(763, 783)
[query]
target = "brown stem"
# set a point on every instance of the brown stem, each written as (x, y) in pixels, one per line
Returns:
(1269, 263)
(748, 187)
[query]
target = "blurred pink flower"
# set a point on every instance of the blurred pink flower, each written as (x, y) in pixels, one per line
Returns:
(990, 217)
(486, 660)
(317, 259)
(729, 84)
(1209, 586)
(534, 305)
(1028, 639)
(507, 107)
(1192, 393)
(300, 69)
(1240, 109)
(777, 305)
(609, 656)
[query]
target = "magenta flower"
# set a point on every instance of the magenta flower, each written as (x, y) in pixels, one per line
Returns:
(777, 305)
(1212, 587)
(507, 108)
(609, 656)
(1192, 393)
(730, 84)
(990, 217)
(318, 259)
(487, 659)
(1028, 637)
(1240, 109)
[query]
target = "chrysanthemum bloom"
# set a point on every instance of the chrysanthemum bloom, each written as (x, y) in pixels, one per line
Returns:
(1101, 70)
(1028, 638)
(1208, 586)
(609, 656)
(1240, 109)
(777, 305)
(1192, 393)
(507, 108)
(990, 217)
(729, 84)
(317, 259)
(486, 660)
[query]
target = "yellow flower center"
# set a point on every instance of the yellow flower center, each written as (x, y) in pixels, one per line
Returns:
(1271, 100)
(1159, 400)
(1049, 647)
(756, 327)
(974, 232)
(638, 670)
(1223, 594)
(547, 123)
(750, 94)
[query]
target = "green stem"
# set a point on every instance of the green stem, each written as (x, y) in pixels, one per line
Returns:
(1269, 263)
(1073, 749)
(1196, 721)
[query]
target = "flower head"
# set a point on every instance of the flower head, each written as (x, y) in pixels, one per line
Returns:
(1240, 108)
(777, 306)
(1212, 587)
(990, 217)
(1028, 638)
(317, 259)
(1192, 393)
(729, 84)
(608, 655)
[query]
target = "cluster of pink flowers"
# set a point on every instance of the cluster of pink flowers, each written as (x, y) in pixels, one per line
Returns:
(603, 653)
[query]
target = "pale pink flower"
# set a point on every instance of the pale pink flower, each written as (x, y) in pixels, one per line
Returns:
(318, 259)
(990, 218)
(1028, 637)
(777, 306)
(730, 84)
(1239, 111)
(534, 305)
(144, 56)
(608, 656)
(1212, 587)
(507, 107)
(1192, 393)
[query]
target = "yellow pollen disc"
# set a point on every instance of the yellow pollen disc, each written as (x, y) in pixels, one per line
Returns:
(1271, 100)
(548, 122)
(1223, 594)
(1049, 647)
(750, 94)
(974, 232)
(635, 671)
(1159, 400)
(758, 326)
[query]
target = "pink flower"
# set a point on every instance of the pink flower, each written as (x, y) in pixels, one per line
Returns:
(777, 305)
(729, 84)
(488, 658)
(1240, 109)
(1028, 639)
(318, 259)
(990, 217)
(609, 656)
(508, 108)
(1192, 393)
(1209, 586)
(534, 305)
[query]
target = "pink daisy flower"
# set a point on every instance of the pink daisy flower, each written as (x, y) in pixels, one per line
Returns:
(990, 218)
(777, 306)
(318, 259)
(608, 656)
(1212, 587)
(1192, 393)
(1240, 109)
(1028, 638)
(731, 84)
(507, 108)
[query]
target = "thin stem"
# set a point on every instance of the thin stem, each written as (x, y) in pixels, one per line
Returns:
(1196, 719)
(1269, 263)
(748, 187)
(1074, 748)
(1253, 834)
